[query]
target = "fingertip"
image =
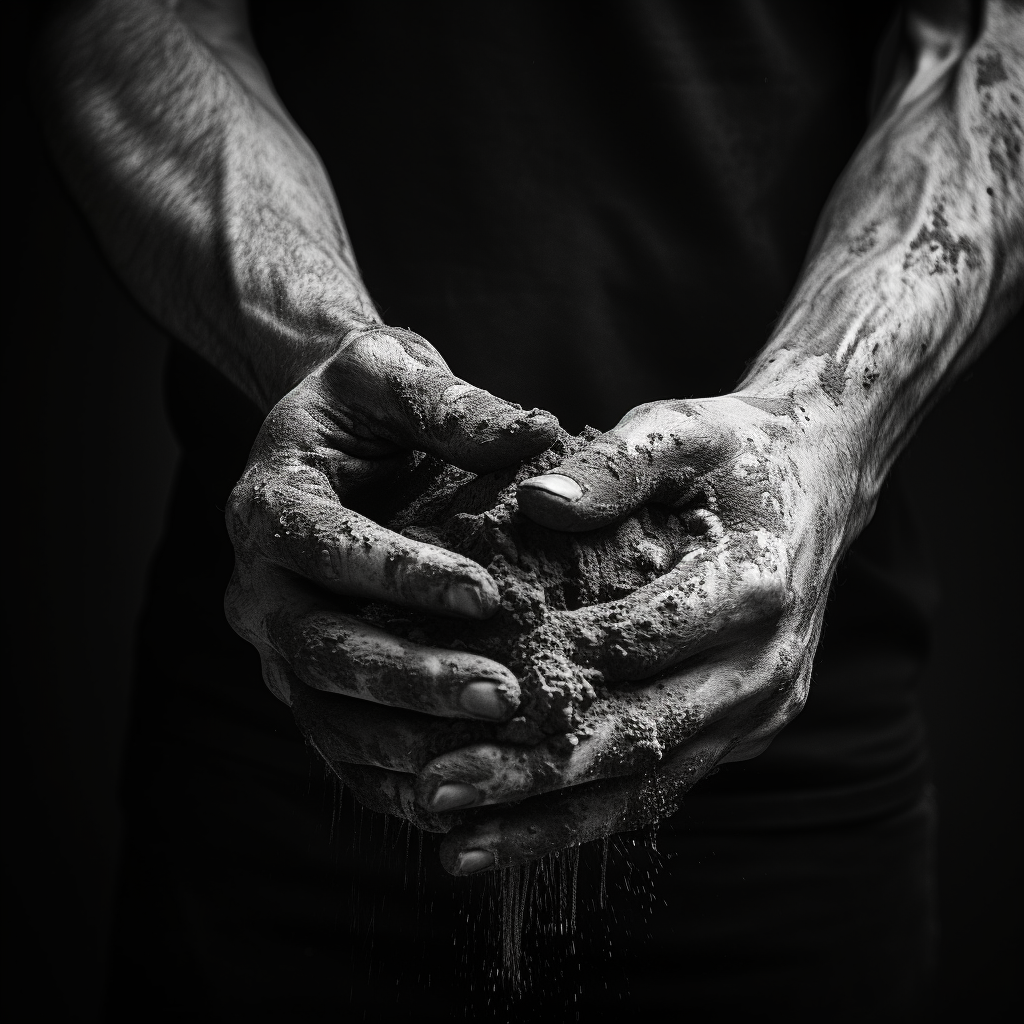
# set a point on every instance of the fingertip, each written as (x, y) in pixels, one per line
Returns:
(470, 862)
(476, 600)
(462, 858)
(541, 425)
(489, 700)
(554, 500)
(453, 796)
(555, 485)
(523, 436)
(493, 434)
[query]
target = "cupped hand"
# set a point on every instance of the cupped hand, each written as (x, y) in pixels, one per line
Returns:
(334, 458)
(704, 665)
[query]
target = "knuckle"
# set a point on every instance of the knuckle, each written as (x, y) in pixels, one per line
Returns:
(314, 639)
(412, 346)
(785, 688)
(764, 574)
(648, 413)
(789, 678)
(381, 351)
(777, 594)
(787, 662)
(793, 699)
(256, 496)
(654, 416)
(765, 596)
(432, 670)
(288, 519)
(266, 496)
(361, 347)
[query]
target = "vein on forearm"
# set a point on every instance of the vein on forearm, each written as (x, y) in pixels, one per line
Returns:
(211, 205)
(918, 258)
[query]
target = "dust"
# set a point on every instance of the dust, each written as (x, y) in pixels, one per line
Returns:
(936, 245)
(541, 575)
(990, 70)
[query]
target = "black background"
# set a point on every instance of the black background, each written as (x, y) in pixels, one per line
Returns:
(89, 465)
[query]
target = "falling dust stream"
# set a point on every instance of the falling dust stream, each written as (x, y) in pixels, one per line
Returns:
(527, 919)
(516, 933)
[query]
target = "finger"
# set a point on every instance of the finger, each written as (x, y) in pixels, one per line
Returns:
(338, 653)
(290, 515)
(516, 835)
(627, 734)
(399, 386)
(785, 697)
(358, 732)
(377, 789)
(654, 452)
(633, 731)
(385, 792)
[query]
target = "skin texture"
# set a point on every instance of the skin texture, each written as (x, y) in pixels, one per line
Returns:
(917, 261)
(303, 520)
(219, 217)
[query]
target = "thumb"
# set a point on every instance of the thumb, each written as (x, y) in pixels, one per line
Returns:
(399, 382)
(637, 460)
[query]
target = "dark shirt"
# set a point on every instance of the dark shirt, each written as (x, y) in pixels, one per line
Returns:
(584, 208)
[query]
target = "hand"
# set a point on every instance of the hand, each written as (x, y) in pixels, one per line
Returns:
(333, 457)
(703, 666)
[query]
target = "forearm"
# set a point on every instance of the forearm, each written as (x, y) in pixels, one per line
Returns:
(207, 199)
(918, 259)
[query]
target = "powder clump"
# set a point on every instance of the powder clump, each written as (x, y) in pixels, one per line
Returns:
(542, 575)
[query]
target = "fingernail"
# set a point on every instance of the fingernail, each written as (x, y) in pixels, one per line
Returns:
(464, 602)
(485, 700)
(555, 483)
(471, 861)
(453, 795)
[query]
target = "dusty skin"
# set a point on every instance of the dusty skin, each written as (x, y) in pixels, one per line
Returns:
(645, 649)
(230, 236)
(916, 263)
(541, 574)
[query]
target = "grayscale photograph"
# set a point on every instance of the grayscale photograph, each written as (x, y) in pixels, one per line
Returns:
(514, 511)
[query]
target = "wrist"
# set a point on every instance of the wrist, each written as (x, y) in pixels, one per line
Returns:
(824, 442)
(278, 353)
